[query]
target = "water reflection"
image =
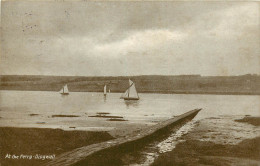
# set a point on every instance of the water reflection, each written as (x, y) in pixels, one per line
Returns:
(64, 96)
(131, 103)
(105, 98)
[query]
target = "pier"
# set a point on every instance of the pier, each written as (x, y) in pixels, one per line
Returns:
(80, 155)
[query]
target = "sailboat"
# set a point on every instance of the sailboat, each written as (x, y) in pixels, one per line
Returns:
(64, 90)
(130, 93)
(105, 90)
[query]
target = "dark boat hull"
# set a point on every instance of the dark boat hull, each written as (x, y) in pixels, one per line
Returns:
(131, 98)
(64, 93)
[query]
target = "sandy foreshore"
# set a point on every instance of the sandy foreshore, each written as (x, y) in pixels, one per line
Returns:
(194, 152)
(197, 149)
(211, 142)
(250, 120)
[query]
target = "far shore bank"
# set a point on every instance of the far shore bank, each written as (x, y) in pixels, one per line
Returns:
(151, 92)
(178, 84)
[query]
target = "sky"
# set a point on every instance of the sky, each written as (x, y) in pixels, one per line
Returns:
(130, 38)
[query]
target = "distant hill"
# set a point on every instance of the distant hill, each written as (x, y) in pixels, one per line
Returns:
(194, 84)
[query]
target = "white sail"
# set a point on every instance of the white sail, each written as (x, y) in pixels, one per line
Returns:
(131, 92)
(105, 89)
(64, 90)
(124, 95)
(61, 91)
(130, 83)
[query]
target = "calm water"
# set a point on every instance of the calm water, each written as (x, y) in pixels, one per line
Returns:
(16, 107)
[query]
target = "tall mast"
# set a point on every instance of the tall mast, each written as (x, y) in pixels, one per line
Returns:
(129, 88)
(105, 89)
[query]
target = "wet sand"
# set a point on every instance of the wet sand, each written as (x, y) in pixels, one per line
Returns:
(251, 120)
(238, 144)
(33, 141)
(194, 152)
(206, 144)
(132, 152)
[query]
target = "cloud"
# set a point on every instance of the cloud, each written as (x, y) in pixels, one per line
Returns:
(209, 38)
(140, 41)
(236, 20)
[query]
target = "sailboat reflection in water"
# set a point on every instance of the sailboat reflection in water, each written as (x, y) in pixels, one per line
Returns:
(105, 90)
(130, 93)
(105, 93)
(131, 103)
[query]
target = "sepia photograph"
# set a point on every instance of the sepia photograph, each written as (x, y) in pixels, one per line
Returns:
(129, 83)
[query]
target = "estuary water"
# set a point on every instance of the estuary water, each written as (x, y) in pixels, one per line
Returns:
(36, 108)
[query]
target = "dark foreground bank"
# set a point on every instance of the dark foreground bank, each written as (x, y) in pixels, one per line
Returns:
(123, 150)
(33, 146)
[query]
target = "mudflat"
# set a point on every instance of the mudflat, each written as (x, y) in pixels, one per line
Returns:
(194, 152)
(251, 120)
(205, 146)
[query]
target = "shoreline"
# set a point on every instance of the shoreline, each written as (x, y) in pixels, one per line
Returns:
(149, 92)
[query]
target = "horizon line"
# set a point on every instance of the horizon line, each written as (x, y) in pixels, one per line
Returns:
(254, 74)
